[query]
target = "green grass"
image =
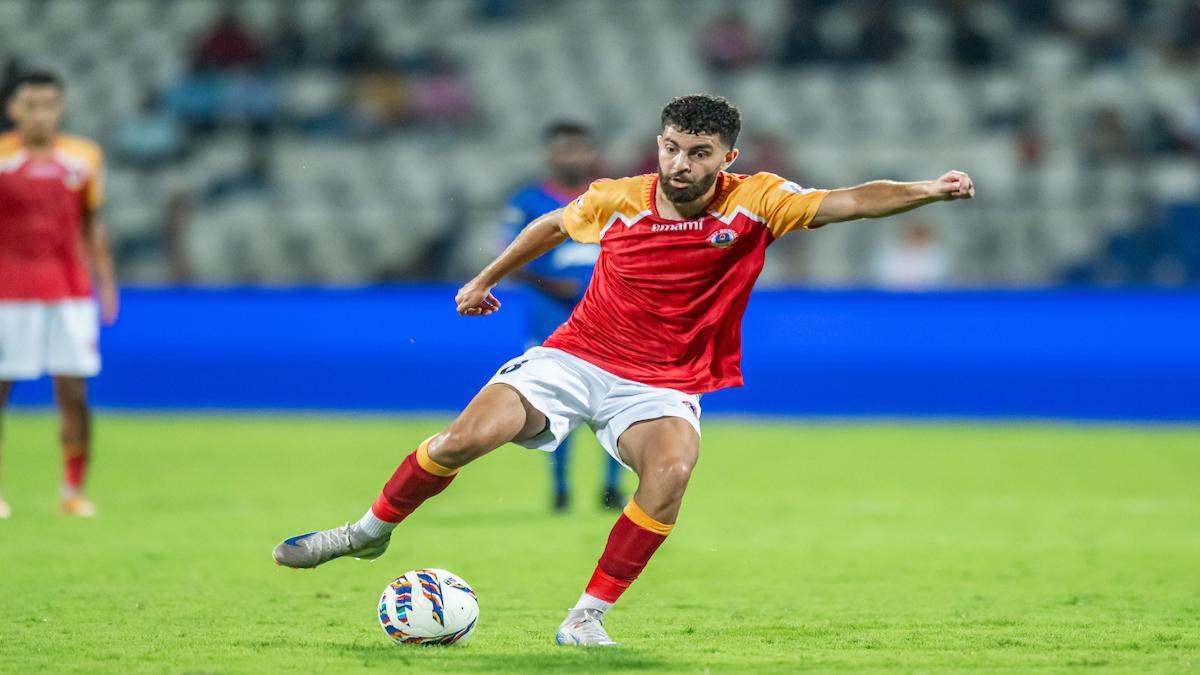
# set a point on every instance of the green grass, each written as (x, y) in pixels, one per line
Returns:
(910, 548)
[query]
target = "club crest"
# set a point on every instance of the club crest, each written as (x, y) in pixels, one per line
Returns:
(722, 238)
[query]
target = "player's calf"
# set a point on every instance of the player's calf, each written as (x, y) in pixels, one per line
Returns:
(663, 452)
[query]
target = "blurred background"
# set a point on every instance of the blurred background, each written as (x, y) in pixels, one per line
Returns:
(314, 147)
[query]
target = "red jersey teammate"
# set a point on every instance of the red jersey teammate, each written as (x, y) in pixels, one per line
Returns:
(51, 241)
(659, 325)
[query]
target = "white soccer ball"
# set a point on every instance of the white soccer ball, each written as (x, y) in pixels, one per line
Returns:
(428, 607)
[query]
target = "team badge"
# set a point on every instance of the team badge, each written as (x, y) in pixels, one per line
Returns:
(722, 238)
(692, 406)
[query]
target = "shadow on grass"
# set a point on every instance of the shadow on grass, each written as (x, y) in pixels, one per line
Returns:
(492, 660)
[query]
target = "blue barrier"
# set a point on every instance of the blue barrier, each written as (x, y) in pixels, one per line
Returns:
(1068, 354)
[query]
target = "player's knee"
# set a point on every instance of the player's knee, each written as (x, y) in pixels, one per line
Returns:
(673, 468)
(457, 446)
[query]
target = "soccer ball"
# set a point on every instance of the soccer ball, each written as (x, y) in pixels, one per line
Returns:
(428, 607)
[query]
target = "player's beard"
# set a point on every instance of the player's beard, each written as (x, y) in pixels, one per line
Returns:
(687, 194)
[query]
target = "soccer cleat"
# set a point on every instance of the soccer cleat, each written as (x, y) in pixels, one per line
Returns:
(584, 628)
(5, 510)
(316, 548)
(78, 505)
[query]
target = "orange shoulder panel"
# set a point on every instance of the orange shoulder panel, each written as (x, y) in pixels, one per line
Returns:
(778, 203)
(87, 154)
(9, 143)
(606, 201)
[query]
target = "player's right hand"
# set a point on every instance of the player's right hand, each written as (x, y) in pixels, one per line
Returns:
(476, 299)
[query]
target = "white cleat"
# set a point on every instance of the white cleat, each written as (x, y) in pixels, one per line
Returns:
(584, 628)
(5, 509)
(78, 505)
(317, 548)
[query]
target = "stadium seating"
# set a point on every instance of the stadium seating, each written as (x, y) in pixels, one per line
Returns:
(343, 210)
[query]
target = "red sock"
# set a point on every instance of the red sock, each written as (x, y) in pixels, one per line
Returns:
(634, 538)
(416, 479)
(75, 456)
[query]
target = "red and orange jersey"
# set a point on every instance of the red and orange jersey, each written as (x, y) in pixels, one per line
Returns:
(44, 199)
(666, 301)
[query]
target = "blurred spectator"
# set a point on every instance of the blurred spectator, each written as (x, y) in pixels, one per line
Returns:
(647, 159)
(443, 96)
(227, 44)
(380, 100)
(765, 152)
(1029, 147)
(970, 47)
(1186, 29)
(802, 42)
(289, 44)
(8, 77)
(353, 38)
(1165, 136)
(499, 10)
(254, 179)
(1032, 15)
(880, 39)
(1101, 26)
(151, 137)
(914, 261)
(1106, 138)
(728, 45)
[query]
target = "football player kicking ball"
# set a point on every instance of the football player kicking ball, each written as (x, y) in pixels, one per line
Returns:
(658, 326)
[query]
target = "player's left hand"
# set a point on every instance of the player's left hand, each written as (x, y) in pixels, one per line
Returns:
(110, 304)
(953, 185)
(476, 299)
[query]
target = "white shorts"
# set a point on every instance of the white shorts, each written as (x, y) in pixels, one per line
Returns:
(48, 338)
(570, 391)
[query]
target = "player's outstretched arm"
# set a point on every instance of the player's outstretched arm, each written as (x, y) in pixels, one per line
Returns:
(543, 234)
(881, 198)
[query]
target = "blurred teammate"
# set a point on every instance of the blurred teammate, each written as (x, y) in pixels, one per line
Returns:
(659, 325)
(559, 277)
(51, 242)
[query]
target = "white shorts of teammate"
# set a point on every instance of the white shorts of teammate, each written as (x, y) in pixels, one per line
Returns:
(48, 338)
(570, 391)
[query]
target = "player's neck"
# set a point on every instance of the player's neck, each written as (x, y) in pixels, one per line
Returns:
(683, 210)
(39, 146)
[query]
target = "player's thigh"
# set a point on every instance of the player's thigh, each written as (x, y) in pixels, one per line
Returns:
(22, 340)
(72, 339)
(497, 415)
(664, 448)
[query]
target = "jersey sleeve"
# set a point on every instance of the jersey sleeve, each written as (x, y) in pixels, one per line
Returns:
(584, 217)
(786, 205)
(94, 189)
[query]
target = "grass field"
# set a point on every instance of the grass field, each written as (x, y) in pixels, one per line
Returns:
(885, 548)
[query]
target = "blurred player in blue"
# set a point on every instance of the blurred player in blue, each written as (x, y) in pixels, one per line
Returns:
(559, 277)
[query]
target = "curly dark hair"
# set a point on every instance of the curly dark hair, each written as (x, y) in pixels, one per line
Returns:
(704, 114)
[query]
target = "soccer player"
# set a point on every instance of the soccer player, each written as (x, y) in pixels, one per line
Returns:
(659, 325)
(51, 241)
(559, 277)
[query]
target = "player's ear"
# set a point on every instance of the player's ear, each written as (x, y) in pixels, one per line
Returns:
(730, 158)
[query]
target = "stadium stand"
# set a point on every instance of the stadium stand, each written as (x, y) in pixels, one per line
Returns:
(356, 142)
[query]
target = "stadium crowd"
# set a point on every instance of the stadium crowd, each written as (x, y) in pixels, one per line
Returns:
(358, 141)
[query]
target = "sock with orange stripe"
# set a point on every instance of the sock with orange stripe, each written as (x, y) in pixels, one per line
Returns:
(634, 538)
(416, 479)
(75, 459)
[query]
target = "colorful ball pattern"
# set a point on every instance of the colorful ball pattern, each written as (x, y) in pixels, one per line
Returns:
(428, 607)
